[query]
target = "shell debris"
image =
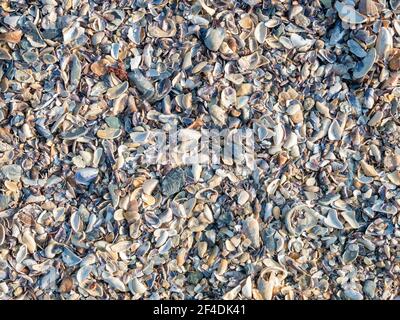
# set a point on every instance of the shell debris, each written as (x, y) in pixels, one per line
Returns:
(282, 182)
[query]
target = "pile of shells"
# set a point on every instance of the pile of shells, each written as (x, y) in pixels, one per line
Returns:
(84, 215)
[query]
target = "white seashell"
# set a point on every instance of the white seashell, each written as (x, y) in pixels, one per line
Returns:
(298, 41)
(243, 197)
(75, 221)
(196, 172)
(247, 289)
(189, 134)
(332, 220)
(368, 170)
(162, 238)
(21, 254)
(362, 68)
(349, 14)
(384, 43)
(266, 284)
(29, 241)
(83, 274)
(291, 141)
(149, 185)
(115, 283)
(279, 134)
(251, 229)
(214, 38)
(260, 32)
(228, 97)
(218, 115)
(136, 287)
(230, 295)
(2, 234)
(350, 218)
(335, 131)
(394, 177)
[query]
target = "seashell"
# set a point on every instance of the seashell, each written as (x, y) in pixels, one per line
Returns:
(247, 289)
(228, 97)
(72, 33)
(66, 285)
(28, 240)
(266, 283)
(86, 176)
(165, 248)
(291, 141)
(230, 295)
(196, 172)
(11, 36)
(181, 257)
(279, 134)
(369, 98)
(365, 65)
(117, 91)
(368, 170)
(386, 208)
(332, 220)
(69, 258)
(369, 288)
(156, 32)
(260, 32)
(249, 62)
(384, 43)
(109, 133)
(188, 134)
(132, 211)
(144, 86)
(99, 67)
(173, 182)
(335, 131)
(140, 137)
(2, 234)
(207, 195)
(136, 286)
(300, 218)
(223, 266)
(350, 254)
(202, 249)
(11, 172)
(30, 56)
(114, 18)
(4, 55)
(243, 197)
(356, 49)
(299, 42)
(115, 283)
(75, 221)
(214, 38)
(218, 115)
(75, 72)
(286, 42)
(73, 134)
(394, 177)
(349, 14)
(350, 218)
(353, 295)
(395, 4)
(394, 62)
(376, 118)
(206, 8)
(149, 185)
(368, 8)
(21, 254)
(251, 229)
